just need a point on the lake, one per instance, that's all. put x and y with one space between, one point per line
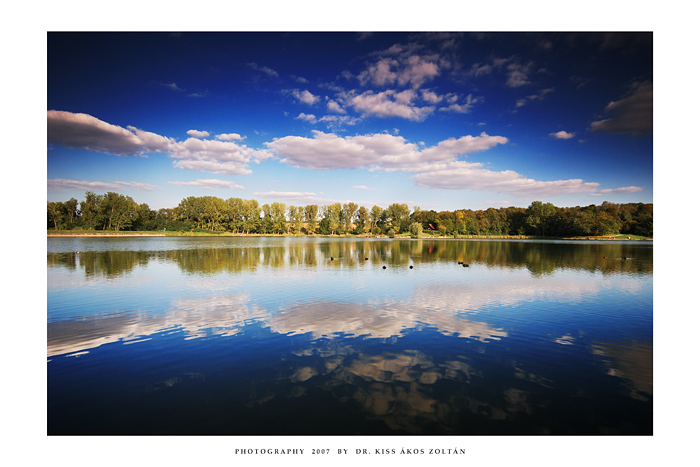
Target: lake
344 336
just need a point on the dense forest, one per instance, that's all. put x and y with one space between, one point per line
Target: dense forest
116 212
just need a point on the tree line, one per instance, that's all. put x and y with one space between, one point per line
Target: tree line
116 212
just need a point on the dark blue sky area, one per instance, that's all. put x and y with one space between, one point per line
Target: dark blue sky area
435 120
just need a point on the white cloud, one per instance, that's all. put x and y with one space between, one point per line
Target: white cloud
449 149
335 122
198 134
86 132
82 131
633 114
172 86
533 97
305 96
230 137
225 168
292 197
562 135
329 151
460 175
380 74
138 185
519 74
464 108
496 203
333 106
417 71
152 142
451 99
311 118
617 191
220 157
402 65
221 151
361 187
390 104
63 184
431 97
479 69
390 152
268 71
210 184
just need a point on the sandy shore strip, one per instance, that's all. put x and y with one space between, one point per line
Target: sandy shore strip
105 235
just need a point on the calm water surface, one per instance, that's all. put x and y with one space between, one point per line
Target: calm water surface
344 336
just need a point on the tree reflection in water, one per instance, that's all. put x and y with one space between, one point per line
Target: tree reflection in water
538 257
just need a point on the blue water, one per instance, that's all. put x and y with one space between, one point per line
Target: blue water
272 336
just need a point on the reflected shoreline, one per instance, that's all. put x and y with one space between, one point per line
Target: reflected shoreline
538 257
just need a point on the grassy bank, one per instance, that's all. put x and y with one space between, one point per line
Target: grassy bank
612 237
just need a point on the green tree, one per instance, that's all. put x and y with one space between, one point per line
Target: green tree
375 215
516 220
644 220
606 224
293 213
118 211
349 213
398 216
188 209
216 213
279 219
582 222
416 229
235 212
496 221
429 220
324 227
123 212
108 209
91 211
416 214
145 218
55 213
170 219
333 213
70 209
446 222
266 219
298 220
363 223
274 220
250 215
311 217
539 215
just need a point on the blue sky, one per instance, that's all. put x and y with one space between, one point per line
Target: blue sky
441 121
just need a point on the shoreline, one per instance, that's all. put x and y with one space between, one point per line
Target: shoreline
106 235
462 237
